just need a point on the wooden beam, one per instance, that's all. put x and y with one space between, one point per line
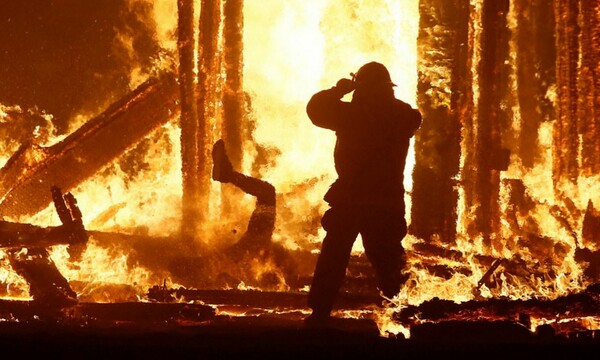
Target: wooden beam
28 176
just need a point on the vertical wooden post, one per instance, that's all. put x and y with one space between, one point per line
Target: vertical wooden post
493 119
589 87
535 72
482 183
443 28
566 139
209 89
233 96
189 121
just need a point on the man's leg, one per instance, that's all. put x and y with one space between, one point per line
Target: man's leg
333 260
223 172
382 233
262 221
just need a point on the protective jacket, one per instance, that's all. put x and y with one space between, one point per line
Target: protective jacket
371 147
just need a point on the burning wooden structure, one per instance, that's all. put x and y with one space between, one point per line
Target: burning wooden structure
503 203
491 89
32 171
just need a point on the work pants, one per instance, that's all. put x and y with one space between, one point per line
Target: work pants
382 229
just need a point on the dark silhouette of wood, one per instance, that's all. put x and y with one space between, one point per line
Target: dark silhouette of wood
590 232
253 298
481 179
234 127
565 150
572 306
589 87
26 249
443 27
590 261
535 72
189 122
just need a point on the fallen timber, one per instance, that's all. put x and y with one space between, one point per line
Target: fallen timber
26 250
105 314
15 236
247 299
28 175
570 307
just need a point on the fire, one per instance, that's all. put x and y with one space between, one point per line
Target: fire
532 216
104 275
310 46
304 54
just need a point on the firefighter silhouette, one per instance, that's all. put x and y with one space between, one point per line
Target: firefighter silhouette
373 133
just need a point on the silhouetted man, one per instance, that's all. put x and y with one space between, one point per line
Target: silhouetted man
373 133
256 243
229 265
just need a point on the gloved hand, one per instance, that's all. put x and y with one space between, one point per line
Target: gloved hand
344 86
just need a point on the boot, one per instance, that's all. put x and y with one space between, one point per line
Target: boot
222 168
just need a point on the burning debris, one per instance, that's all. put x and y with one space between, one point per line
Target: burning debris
27 251
503 205
32 170
477 200
533 314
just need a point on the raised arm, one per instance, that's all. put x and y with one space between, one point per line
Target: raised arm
325 109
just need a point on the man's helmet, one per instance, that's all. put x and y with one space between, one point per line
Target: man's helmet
373 73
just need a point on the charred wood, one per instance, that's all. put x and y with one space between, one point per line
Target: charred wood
522 271
189 121
535 72
584 303
425 249
29 258
140 313
103 314
32 171
17 236
472 331
443 27
589 86
254 298
443 262
591 259
233 95
443 271
209 94
47 286
590 232
485 260
486 277
468 114
565 148
491 121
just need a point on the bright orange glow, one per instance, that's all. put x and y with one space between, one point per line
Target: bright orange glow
292 49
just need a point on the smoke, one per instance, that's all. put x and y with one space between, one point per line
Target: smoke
73 57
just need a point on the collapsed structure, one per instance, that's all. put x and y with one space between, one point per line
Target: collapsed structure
493 75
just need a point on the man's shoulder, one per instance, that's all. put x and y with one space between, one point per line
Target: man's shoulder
408 118
402 106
